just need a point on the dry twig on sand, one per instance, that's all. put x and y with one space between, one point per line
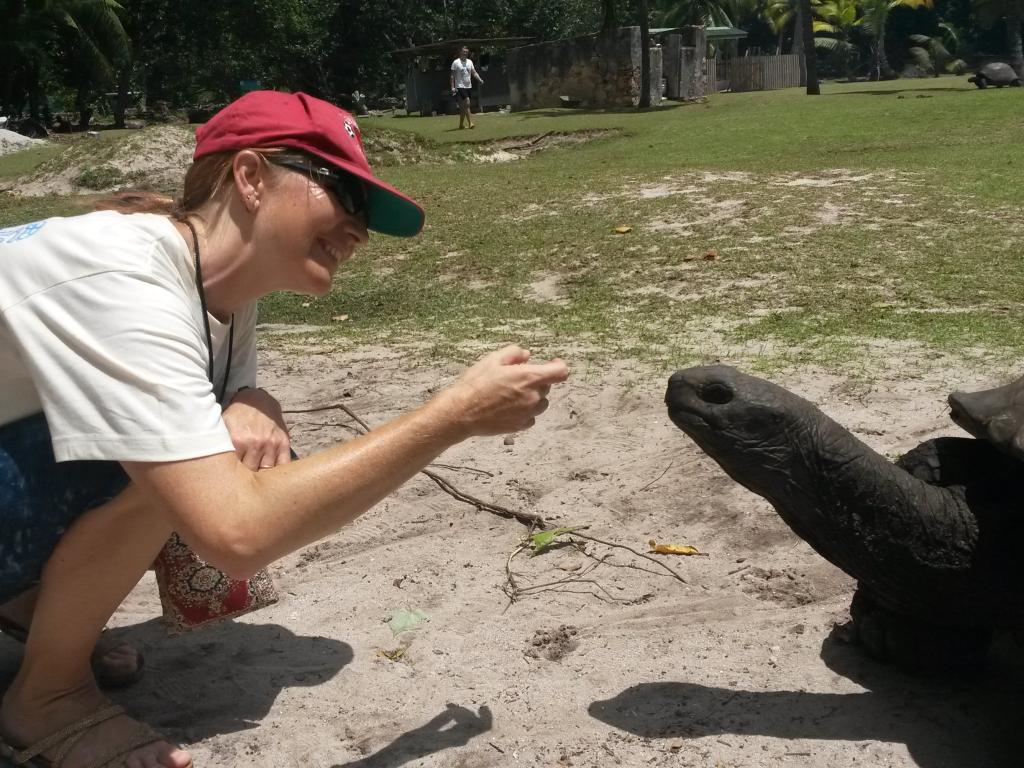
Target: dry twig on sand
512 588
530 520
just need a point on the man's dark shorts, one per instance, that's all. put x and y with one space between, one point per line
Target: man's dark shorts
464 93
40 499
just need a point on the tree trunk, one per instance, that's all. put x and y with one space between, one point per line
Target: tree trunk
124 80
645 55
798 43
84 110
1013 38
881 62
810 55
608 20
34 91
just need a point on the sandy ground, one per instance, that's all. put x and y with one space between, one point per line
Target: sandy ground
740 666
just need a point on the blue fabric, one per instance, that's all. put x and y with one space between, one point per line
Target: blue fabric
40 499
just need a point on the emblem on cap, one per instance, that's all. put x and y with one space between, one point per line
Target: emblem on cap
351 129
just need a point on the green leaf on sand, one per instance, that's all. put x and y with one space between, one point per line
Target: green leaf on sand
543 539
403 619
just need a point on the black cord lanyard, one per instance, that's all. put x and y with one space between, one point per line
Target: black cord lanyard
206 317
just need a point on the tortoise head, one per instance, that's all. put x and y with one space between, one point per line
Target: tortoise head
751 427
996 415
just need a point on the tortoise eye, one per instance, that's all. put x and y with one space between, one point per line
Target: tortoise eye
716 392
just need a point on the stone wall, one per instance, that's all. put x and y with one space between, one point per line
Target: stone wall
683 62
596 71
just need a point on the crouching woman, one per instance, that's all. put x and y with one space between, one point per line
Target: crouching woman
121 335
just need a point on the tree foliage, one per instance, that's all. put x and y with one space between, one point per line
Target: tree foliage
69 53
80 42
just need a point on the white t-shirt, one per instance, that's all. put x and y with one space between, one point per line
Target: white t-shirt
463 73
101 329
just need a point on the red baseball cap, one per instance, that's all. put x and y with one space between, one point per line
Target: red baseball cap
300 121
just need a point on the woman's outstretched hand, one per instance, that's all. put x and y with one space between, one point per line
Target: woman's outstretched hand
503 392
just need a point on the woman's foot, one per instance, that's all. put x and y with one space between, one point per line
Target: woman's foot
24 722
116 664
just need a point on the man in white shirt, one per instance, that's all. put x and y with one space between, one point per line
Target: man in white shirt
463 74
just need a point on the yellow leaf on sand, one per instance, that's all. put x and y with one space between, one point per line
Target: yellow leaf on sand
623 230
672 549
340 318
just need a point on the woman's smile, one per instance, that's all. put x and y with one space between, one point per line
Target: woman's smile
334 254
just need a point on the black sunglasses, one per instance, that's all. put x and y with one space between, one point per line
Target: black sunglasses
346 188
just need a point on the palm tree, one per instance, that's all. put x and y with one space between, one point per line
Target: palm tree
712 13
788 15
86 36
781 15
810 54
839 20
990 11
876 14
934 53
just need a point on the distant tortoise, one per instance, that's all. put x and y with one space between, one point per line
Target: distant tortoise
997 73
934 540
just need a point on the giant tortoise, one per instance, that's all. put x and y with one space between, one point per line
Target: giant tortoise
997 73
934 539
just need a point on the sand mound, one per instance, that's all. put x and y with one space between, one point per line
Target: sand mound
151 158
11 141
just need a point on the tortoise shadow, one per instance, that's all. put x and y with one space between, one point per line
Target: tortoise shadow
943 723
453 727
871 92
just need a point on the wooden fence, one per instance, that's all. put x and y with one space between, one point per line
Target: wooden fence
753 73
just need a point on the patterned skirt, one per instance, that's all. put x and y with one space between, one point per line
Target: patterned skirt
40 499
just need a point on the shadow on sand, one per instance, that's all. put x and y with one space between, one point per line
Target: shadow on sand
172 696
454 727
181 671
944 723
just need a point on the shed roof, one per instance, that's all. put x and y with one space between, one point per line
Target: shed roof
447 46
713 33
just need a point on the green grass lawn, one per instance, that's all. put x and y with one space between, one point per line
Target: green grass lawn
766 228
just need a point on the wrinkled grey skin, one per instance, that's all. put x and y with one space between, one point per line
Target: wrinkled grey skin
996 415
997 73
932 540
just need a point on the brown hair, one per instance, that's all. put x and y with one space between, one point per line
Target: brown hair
204 180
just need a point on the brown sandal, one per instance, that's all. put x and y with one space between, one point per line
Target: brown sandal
104 677
66 738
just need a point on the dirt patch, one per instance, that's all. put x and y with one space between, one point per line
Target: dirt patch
717 206
506 150
729 213
548 288
553 644
833 178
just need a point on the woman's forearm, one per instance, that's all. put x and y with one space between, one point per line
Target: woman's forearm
240 521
